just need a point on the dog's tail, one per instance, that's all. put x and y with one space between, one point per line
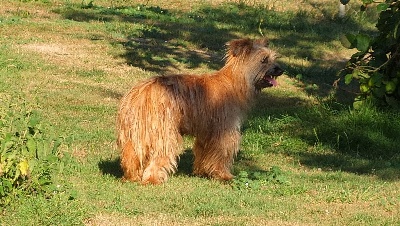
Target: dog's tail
148 130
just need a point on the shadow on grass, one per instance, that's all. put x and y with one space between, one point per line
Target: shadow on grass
161 40
385 169
329 136
363 142
185 165
111 167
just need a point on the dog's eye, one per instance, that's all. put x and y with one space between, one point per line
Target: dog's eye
264 60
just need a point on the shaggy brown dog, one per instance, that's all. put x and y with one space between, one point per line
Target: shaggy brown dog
155 114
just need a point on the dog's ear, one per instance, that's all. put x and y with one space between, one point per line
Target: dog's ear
263 42
238 47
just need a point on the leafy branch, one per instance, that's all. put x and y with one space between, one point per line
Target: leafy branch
376 65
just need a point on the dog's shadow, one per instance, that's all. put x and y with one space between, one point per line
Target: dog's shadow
185 164
112 167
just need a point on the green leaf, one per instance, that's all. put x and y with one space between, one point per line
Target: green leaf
7 145
379 92
375 80
40 147
32 164
257 175
363 42
56 145
366 2
44 181
390 87
358 104
7 184
345 42
348 40
382 7
364 88
243 174
51 158
24 167
73 194
357 74
348 78
2 193
17 174
31 145
34 119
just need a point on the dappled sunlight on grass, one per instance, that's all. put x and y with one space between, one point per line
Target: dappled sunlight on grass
326 135
306 156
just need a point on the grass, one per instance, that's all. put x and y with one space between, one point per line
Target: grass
306 156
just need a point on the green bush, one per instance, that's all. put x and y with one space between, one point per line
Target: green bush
28 151
376 65
257 180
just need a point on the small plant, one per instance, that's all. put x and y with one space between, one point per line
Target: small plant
376 65
258 179
28 155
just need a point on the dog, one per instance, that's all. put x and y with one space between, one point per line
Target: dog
155 114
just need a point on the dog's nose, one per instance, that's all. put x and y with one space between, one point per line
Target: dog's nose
278 71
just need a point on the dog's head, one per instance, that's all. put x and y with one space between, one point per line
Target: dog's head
255 60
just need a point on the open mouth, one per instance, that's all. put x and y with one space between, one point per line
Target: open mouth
266 81
269 79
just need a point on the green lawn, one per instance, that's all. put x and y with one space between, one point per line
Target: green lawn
307 158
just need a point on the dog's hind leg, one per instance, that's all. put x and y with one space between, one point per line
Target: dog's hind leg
130 163
214 156
158 170
163 157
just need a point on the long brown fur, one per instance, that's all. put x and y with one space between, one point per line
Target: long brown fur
155 114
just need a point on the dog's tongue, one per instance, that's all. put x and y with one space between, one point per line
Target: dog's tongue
272 81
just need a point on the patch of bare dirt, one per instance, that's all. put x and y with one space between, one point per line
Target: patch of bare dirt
167 220
25 10
79 54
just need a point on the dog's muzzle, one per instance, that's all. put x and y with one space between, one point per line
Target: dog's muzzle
269 78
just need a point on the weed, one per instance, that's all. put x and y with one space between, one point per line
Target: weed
28 154
257 180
